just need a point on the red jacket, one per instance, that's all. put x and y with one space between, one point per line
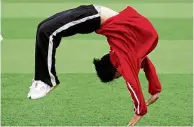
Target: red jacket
131 38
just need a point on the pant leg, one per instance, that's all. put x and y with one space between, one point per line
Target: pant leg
41 58
49 35
154 85
41 70
46 45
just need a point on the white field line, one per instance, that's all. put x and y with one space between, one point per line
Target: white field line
151 10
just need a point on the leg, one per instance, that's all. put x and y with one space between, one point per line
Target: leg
83 19
47 41
154 85
45 77
46 44
49 34
42 55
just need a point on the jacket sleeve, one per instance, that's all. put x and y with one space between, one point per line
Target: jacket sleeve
129 72
154 85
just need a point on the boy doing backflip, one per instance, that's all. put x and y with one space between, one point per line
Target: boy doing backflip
131 38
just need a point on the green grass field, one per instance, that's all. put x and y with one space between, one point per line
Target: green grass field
81 99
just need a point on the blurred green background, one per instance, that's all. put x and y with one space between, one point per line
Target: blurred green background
81 99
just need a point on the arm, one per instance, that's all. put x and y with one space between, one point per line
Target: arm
153 81
151 75
130 73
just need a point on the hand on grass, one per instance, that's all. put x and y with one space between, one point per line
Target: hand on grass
136 117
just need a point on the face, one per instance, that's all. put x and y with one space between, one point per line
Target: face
117 75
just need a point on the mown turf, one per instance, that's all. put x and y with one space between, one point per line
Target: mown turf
75 56
82 100
166 28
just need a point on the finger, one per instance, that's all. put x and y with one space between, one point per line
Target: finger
131 124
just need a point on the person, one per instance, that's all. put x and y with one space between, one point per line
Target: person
130 35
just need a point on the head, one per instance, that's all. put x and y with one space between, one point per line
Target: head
105 69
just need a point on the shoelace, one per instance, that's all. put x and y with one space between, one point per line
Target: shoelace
37 85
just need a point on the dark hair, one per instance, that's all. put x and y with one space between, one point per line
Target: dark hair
104 68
